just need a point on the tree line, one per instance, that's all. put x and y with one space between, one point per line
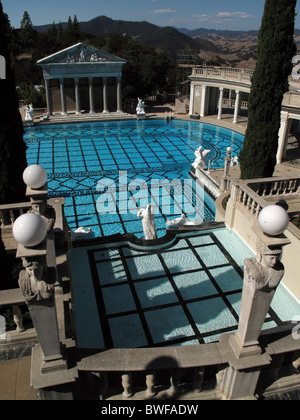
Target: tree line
148 70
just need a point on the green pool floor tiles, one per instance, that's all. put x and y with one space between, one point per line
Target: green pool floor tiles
143 267
211 256
211 315
155 292
127 332
227 278
111 272
178 261
118 299
194 285
168 324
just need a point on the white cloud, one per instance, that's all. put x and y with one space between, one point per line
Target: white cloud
239 15
160 11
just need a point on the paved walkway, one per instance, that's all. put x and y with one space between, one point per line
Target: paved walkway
15 373
15 380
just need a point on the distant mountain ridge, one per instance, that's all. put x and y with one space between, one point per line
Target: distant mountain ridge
237 48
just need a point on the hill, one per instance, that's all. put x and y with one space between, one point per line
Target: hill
168 39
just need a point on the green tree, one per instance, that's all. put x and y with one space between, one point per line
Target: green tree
12 146
276 49
28 36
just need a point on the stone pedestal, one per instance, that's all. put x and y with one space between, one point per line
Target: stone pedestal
37 283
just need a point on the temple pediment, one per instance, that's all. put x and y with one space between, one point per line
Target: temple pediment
80 53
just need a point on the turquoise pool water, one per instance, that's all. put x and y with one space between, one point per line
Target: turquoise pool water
186 293
83 161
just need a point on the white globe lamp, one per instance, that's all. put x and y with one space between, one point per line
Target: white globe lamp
30 230
35 176
273 220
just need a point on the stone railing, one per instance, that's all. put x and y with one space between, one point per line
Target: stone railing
10 212
189 372
224 73
254 195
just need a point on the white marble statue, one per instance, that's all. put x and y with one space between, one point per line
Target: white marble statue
29 113
80 233
176 223
149 228
200 158
235 161
140 109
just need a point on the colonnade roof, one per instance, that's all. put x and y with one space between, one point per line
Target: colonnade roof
80 53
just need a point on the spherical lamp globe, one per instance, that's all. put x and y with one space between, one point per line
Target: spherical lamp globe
273 220
35 176
30 230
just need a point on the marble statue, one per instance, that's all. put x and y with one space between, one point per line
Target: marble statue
29 113
80 233
140 109
266 271
175 223
234 161
149 228
200 158
36 281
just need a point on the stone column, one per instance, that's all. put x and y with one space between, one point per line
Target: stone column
261 279
91 96
220 103
63 97
203 101
37 283
77 96
48 97
105 102
283 136
119 95
192 92
237 106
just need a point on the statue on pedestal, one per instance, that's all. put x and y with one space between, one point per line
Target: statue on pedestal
266 271
200 158
140 109
29 113
36 281
47 213
148 222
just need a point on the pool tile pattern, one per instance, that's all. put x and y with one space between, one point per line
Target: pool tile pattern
188 293
78 157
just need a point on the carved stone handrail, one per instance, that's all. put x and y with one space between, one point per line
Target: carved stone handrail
11 212
224 73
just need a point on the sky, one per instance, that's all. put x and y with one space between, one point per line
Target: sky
190 14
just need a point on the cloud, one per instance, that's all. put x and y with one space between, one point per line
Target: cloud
239 15
160 11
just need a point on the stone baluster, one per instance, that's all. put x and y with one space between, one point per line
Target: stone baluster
150 382
18 319
174 379
126 384
198 380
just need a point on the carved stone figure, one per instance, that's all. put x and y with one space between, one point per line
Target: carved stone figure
148 222
266 271
42 209
36 281
200 158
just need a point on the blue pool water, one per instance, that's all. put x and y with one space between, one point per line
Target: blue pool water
186 293
105 170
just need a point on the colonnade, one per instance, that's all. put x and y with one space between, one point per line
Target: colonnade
77 94
206 97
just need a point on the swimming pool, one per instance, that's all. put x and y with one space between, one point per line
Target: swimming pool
106 170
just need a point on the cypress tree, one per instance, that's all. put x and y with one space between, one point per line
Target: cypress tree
12 146
276 49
